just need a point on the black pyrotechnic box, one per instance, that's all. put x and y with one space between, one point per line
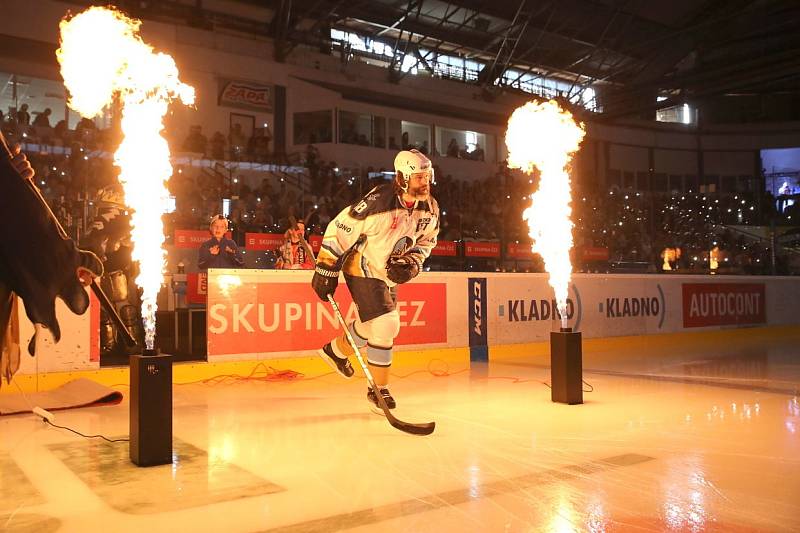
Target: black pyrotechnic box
566 366
151 409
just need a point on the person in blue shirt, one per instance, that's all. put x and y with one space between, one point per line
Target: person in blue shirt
219 251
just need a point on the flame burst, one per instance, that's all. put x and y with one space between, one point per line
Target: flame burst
103 57
543 136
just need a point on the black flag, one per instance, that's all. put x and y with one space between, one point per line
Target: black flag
37 261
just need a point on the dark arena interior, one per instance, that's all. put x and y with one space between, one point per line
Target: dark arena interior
553 246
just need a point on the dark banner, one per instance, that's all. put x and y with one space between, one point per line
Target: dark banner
477 299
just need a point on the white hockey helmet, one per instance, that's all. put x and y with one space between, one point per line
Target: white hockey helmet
408 162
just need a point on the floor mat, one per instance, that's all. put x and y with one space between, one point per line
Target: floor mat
78 393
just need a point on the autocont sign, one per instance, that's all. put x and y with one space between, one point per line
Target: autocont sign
720 304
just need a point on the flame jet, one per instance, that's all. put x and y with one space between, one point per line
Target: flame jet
102 57
545 137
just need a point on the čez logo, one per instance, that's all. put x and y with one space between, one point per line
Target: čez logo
478 324
477 299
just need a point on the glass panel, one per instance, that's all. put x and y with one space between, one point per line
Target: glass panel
642 181
379 132
628 180
415 136
313 127
395 133
355 128
463 144
614 178
660 182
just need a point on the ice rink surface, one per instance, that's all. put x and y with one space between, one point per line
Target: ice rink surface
680 433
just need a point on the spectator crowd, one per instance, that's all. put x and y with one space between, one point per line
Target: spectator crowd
635 227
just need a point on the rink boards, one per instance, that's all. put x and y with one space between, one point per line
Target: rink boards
268 314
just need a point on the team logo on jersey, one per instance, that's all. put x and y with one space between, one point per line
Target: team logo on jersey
343 227
423 223
402 246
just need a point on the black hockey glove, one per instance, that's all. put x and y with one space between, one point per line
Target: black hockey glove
324 282
401 269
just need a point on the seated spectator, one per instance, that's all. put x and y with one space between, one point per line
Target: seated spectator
295 253
219 251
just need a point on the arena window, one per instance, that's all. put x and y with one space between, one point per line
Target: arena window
464 144
362 129
682 114
312 127
406 135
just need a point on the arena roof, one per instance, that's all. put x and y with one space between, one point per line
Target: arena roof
631 53
678 48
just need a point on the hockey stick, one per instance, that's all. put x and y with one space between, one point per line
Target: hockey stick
104 301
415 429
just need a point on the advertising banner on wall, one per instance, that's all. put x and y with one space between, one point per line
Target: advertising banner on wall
192 238
723 304
251 312
268 313
522 308
245 95
518 250
445 248
196 287
629 305
482 249
477 323
263 241
594 253
316 243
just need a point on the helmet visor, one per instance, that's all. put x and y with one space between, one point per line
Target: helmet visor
427 175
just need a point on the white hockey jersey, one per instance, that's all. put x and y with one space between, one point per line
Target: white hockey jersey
376 228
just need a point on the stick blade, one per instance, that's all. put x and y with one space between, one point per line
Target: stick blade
407 427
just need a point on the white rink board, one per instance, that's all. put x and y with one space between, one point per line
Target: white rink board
601 306
72 353
627 304
507 298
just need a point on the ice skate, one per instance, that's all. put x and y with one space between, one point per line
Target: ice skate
340 365
373 400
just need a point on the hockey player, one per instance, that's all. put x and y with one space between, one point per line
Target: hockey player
378 243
